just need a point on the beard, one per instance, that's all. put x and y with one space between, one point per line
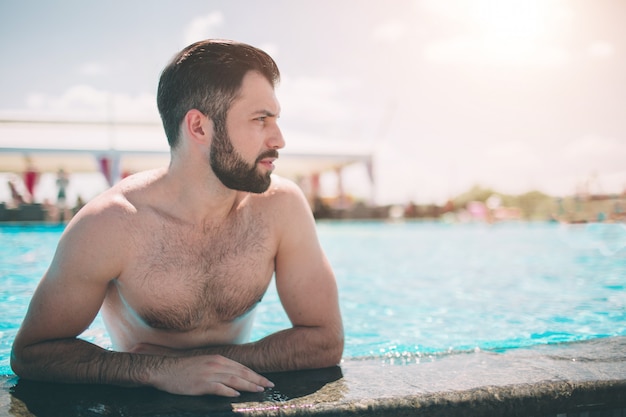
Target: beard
232 170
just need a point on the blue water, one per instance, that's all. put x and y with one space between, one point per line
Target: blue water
409 290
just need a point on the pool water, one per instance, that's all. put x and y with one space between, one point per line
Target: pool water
410 290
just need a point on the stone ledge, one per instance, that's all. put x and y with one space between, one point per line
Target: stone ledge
565 380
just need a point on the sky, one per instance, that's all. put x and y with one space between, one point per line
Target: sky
515 95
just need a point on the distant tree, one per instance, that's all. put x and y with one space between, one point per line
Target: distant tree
534 204
476 193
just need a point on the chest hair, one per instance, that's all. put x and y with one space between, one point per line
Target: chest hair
199 277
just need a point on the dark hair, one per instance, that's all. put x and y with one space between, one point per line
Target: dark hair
207 76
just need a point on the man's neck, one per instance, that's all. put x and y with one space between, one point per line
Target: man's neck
199 196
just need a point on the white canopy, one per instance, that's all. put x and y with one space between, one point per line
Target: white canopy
80 147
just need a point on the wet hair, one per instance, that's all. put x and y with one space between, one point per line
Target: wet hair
207 76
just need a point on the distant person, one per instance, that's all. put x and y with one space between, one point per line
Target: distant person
177 258
17 198
62 184
31 178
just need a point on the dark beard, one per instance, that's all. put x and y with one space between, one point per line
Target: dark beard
232 170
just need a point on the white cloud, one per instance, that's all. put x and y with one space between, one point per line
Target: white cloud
80 96
202 27
79 102
84 102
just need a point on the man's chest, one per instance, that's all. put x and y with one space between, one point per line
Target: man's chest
188 281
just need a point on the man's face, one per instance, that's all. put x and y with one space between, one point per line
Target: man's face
244 148
234 172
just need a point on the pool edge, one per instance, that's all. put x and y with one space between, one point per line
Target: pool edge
565 380
546 399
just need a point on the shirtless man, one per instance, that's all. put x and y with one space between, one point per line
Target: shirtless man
177 258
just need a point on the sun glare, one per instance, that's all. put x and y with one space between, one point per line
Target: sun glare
517 19
509 32
509 18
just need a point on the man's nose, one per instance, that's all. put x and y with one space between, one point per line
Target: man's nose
276 140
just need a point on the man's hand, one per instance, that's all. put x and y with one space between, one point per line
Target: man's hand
207 374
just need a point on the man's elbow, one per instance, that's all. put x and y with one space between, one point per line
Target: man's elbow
17 363
335 354
333 351
24 360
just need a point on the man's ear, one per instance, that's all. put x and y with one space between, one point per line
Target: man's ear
199 128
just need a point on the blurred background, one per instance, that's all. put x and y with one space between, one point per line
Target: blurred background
471 109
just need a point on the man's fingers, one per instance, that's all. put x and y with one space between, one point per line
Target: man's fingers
222 390
257 379
212 374
240 384
244 372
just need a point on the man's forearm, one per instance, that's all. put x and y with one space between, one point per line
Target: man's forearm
296 348
78 361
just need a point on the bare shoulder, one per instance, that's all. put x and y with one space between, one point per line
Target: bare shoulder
110 209
106 224
284 191
284 205
123 200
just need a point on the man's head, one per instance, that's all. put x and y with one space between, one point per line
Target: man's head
230 167
207 76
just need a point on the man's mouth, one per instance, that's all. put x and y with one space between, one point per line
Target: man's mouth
268 163
267 159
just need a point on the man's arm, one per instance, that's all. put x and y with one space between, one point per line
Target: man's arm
91 254
308 291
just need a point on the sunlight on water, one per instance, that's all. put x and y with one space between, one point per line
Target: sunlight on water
412 290
409 290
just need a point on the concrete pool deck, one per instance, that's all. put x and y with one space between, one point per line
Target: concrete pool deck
575 379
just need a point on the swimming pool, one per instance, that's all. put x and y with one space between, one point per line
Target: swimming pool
409 290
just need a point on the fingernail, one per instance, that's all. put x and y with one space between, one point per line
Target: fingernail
260 388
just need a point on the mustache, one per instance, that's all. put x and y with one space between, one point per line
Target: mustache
270 153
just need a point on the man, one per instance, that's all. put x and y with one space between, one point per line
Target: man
178 258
